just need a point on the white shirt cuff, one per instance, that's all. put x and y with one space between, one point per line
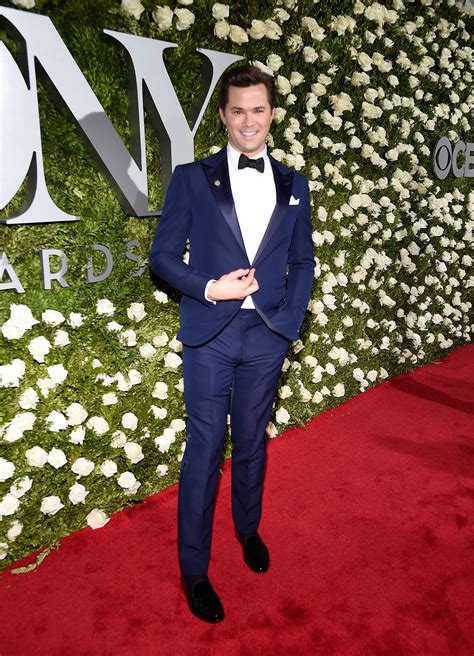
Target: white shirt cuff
205 292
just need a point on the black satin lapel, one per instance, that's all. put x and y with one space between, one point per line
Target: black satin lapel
219 182
283 186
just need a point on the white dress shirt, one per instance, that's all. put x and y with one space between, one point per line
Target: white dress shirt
254 196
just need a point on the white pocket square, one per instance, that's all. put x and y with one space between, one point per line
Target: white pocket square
294 201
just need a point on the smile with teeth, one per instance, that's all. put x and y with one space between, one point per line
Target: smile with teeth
249 133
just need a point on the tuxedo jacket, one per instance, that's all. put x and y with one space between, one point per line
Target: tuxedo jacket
199 207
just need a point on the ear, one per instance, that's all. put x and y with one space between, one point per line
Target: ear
273 114
222 115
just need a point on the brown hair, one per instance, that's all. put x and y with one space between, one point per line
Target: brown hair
245 76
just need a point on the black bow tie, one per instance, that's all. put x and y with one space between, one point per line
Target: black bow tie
257 164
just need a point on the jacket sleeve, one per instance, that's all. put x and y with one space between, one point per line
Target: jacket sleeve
301 261
174 227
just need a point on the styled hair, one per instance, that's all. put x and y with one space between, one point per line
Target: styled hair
245 76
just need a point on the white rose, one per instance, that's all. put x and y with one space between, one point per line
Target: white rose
77 493
158 413
162 470
178 425
163 17
14 531
7 469
134 376
358 374
338 390
76 414
21 319
82 466
52 317
57 373
36 456
271 429
309 54
128 338
24 4
164 441
127 480
133 8
221 29
358 79
105 307
133 452
51 505
172 360
282 416
21 486
39 347
130 421
296 79
136 311
285 392
98 424
9 505
283 85
161 340
185 18
75 319
238 35
108 468
61 338
341 103
11 374
97 518
109 399
161 297
147 351
274 62
22 422
160 391
45 385
114 327
56 421
119 439
371 111
77 435
220 11
258 29
273 30
57 458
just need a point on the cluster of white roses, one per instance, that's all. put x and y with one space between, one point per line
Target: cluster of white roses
35 382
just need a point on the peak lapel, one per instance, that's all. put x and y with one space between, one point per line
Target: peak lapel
219 182
283 187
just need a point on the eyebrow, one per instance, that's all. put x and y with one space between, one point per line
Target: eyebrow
241 108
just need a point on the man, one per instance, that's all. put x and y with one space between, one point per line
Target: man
245 292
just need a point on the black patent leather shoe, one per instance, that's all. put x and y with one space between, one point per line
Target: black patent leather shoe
255 552
202 599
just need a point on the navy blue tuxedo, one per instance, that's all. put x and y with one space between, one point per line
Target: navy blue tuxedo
232 358
199 207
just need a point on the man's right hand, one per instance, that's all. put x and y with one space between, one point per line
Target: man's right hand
233 286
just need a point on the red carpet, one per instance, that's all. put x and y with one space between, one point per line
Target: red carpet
369 519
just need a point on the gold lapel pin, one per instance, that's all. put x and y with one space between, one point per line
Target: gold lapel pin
217 183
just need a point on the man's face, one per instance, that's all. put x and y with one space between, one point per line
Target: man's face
247 117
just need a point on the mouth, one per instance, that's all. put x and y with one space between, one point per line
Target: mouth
248 133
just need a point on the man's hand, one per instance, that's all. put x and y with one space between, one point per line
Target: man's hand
232 286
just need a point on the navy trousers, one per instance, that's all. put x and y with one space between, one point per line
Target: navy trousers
236 372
